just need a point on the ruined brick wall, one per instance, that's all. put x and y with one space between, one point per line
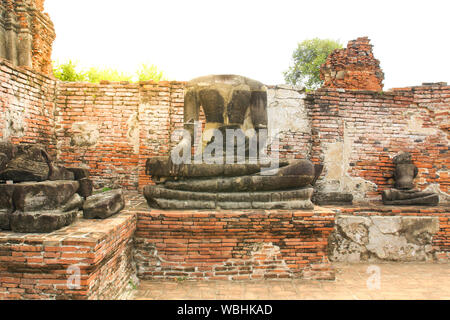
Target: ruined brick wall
233 245
113 128
45 266
357 133
97 128
440 241
26 34
354 67
288 121
160 114
27 103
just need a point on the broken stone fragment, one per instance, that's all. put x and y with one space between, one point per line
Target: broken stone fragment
41 221
30 164
47 195
103 205
336 198
60 173
86 187
76 202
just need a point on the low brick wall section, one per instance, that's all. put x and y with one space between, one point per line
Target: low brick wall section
34 266
233 245
441 240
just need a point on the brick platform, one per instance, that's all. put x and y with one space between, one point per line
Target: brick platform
38 266
233 245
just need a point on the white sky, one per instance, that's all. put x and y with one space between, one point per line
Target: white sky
253 38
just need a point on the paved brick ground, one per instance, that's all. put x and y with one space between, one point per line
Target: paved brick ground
397 281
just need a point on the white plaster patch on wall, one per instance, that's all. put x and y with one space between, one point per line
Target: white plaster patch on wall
14 118
375 238
337 164
84 134
415 125
133 131
286 110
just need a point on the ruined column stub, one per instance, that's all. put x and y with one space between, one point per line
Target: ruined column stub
354 67
26 34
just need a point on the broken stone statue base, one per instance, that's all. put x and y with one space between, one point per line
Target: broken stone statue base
163 198
409 197
38 221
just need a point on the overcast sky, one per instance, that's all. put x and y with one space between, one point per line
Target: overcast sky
190 38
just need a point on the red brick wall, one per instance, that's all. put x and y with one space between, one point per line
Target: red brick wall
379 125
93 124
233 245
37 266
160 113
354 67
27 102
133 122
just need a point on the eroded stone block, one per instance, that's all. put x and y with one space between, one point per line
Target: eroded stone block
41 221
103 205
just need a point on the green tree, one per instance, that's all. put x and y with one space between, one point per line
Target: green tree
68 71
149 72
307 59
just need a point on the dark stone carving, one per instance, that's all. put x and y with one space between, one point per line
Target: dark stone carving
7 152
47 195
404 192
3 161
332 198
40 196
60 173
5 215
79 173
32 163
103 205
74 203
229 102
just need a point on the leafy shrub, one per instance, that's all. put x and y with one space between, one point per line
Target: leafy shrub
68 71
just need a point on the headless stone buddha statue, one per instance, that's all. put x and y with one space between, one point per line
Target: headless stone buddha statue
230 103
404 192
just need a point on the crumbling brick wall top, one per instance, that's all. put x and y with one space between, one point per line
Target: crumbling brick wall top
353 68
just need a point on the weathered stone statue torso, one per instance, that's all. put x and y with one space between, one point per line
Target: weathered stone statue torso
404 192
228 102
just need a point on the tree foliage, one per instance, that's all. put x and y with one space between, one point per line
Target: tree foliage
149 72
307 59
69 71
